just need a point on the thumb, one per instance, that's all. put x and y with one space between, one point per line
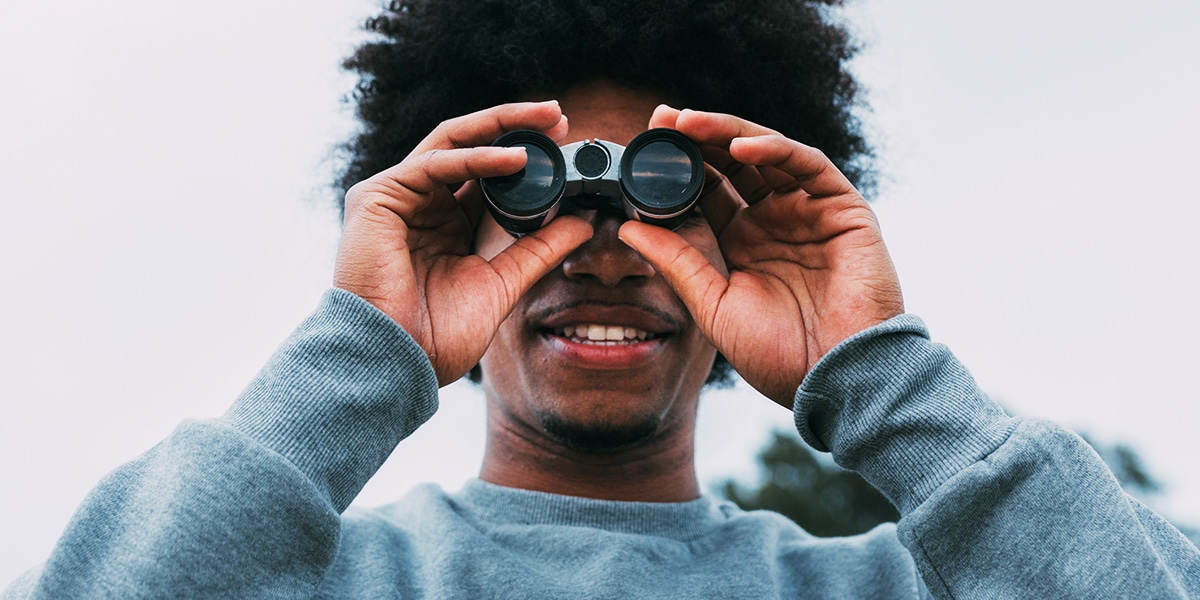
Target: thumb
531 257
699 284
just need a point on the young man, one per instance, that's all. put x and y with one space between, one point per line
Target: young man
588 487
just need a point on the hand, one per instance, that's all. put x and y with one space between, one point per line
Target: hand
406 239
807 264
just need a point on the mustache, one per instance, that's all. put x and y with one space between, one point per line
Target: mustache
545 313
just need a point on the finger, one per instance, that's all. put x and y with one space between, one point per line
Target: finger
559 131
528 259
483 127
717 129
752 183
808 220
664 116
746 181
470 198
778 180
698 283
719 201
811 169
433 170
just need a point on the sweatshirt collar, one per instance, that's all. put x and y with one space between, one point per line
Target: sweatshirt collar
499 506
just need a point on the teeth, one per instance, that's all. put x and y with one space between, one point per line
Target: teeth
603 333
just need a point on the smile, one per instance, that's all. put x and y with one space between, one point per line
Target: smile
603 334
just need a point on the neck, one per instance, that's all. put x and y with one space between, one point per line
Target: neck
659 469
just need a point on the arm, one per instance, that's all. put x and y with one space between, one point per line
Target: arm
248 505
990 505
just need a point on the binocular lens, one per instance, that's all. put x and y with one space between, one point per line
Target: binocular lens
524 191
534 189
661 174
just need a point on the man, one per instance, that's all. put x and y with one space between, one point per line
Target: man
588 487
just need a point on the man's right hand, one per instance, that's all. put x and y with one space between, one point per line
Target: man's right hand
406 239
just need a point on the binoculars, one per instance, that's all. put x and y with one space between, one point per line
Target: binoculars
656 179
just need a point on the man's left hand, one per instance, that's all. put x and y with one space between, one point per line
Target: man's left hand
807 264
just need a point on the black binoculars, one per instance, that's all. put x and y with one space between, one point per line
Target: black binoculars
656 179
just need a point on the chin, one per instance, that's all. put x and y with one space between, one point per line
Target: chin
598 437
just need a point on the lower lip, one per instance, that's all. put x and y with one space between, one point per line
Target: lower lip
605 356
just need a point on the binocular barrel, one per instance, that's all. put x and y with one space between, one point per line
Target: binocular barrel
656 179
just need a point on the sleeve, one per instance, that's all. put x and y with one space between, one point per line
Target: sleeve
248 505
991 505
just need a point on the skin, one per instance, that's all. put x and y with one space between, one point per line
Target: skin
783 236
648 407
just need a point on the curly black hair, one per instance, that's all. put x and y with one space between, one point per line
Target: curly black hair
779 63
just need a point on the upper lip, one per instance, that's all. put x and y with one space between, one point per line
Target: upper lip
650 319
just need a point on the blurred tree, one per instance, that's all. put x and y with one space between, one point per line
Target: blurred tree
808 488
827 500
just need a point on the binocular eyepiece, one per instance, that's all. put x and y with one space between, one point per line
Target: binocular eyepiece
655 179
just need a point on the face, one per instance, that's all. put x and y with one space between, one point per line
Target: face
601 354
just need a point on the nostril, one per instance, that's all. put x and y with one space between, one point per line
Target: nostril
606 258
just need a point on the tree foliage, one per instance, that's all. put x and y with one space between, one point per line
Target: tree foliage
825 499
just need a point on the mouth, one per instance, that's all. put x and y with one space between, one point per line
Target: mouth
604 335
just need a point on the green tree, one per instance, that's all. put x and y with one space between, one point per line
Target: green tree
808 488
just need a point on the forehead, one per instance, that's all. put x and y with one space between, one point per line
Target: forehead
607 111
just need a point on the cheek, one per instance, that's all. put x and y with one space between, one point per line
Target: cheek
498 366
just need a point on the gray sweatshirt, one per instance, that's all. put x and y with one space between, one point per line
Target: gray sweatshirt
251 505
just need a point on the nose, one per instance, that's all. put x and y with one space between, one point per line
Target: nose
604 257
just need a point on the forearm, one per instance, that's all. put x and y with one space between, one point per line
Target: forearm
248 505
343 390
988 503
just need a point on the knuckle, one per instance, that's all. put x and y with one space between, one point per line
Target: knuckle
356 195
428 161
355 192
447 125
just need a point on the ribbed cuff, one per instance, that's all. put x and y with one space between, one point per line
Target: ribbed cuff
898 409
339 394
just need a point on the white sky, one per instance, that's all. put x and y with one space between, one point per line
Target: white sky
165 226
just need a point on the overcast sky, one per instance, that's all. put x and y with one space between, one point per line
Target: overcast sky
165 225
